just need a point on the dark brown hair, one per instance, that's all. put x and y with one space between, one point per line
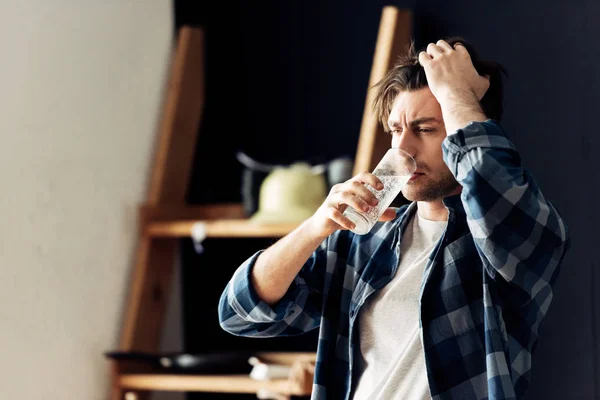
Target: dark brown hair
408 75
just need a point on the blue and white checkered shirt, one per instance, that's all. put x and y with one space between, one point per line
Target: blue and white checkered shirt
486 288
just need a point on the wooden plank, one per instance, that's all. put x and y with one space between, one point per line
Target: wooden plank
207 383
173 159
146 304
236 228
151 277
116 391
286 358
180 121
149 213
148 296
393 38
142 378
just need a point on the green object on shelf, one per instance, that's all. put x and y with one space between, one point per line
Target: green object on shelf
290 194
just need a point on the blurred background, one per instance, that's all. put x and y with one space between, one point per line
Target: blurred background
82 88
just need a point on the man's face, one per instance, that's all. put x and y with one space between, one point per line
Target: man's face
417 127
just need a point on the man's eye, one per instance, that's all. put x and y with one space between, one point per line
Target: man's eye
426 130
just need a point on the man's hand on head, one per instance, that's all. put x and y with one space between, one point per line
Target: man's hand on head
455 83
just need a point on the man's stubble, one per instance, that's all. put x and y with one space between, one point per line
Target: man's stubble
427 188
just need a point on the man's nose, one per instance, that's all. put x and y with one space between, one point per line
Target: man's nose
406 141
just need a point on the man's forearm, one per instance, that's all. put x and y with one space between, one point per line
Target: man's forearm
459 107
276 267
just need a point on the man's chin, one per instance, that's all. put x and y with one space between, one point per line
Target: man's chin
410 196
412 192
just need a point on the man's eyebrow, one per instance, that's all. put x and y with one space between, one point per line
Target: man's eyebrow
415 122
393 124
424 120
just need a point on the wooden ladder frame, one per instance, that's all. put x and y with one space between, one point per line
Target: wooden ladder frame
155 258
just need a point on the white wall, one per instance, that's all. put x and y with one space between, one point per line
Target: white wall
81 85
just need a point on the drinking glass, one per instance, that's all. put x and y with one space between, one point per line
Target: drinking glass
394 170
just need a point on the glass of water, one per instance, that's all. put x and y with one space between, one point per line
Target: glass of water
394 170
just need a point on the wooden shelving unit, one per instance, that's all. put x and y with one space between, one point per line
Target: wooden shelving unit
218 229
219 220
219 383
207 383
165 217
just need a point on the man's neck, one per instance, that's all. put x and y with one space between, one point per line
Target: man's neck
432 210
435 210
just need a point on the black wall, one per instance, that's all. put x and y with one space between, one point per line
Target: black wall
286 81
551 50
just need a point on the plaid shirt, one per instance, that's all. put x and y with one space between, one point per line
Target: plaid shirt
486 288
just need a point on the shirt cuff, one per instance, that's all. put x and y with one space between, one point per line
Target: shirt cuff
487 134
246 302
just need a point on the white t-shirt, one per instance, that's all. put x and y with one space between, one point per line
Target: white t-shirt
391 361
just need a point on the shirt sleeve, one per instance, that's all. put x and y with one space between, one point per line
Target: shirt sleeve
519 234
243 313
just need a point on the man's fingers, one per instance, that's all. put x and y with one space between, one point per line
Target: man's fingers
433 50
351 200
443 46
424 58
339 218
369 178
361 190
460 48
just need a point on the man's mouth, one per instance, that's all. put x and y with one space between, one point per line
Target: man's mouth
416 175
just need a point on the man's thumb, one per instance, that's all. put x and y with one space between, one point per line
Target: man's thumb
388 215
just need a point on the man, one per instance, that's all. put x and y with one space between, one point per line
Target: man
445 298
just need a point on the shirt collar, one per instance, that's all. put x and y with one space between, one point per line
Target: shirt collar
456 212
454 203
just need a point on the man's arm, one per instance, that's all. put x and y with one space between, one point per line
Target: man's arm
459 108
455 83
276 268
519 234
278 292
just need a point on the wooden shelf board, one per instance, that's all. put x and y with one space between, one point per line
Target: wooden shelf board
286 357
219 383
166 212
203 383
218 228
